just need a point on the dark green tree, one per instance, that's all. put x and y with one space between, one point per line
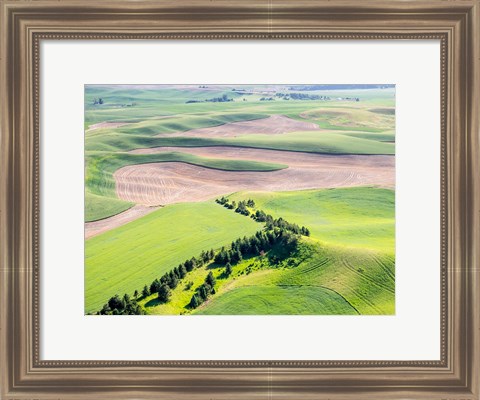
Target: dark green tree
164 293
173 282
210 279
203 292
228 269
182 270
154 286
126 298
115 303
194 303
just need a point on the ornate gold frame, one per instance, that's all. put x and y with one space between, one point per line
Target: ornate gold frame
456 23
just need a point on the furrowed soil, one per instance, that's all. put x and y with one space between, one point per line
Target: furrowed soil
97 227
166 183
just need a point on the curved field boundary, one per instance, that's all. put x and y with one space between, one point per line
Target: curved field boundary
97 227
317 142
272 125
100 168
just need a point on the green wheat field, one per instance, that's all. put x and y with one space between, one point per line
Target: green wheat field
240 199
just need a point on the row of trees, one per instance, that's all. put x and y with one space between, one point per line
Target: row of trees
163 287
223 200
272 223
240 208
203 291
223 99
170 280
255 245
260 216
302 96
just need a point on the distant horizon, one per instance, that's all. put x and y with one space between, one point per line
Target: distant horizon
287 86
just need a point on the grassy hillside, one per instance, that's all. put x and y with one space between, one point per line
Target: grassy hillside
99 207
353 118
335 281
125 259
178 123
337 269
359 217
278 300
311 142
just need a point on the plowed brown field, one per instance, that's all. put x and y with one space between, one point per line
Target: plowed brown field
101 125
103 225
166 183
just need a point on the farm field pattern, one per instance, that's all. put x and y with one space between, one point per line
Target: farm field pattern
240 200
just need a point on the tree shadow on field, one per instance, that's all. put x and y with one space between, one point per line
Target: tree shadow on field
214 265
154 302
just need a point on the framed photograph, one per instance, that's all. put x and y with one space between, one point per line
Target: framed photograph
258 200
233 186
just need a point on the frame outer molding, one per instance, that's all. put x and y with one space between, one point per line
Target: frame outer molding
23 376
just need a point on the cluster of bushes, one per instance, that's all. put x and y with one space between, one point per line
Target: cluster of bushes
301 96
224 202
97 101
255 245
272 223
203 291
121 306
240 208
267 99
222 99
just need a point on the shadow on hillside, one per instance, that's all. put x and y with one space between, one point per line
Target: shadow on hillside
152 303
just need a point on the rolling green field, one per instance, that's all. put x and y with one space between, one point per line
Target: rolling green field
125 259
358 217
295 300
329 142
344 265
